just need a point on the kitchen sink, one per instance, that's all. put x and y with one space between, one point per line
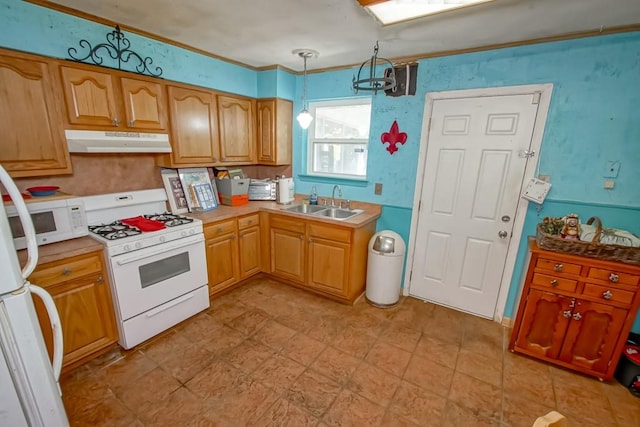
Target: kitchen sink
306 209
338 213
324 211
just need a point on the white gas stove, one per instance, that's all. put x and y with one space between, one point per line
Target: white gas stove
157 262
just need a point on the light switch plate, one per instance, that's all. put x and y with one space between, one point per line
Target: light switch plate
378 189
536 190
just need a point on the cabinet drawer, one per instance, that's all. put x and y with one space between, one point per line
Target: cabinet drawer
329 232
287 224
248 221
613 276
219 228
558 266
613 294
552 282
55 273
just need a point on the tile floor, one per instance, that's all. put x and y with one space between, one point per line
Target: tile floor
267 354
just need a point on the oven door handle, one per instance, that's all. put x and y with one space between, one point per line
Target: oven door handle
159 249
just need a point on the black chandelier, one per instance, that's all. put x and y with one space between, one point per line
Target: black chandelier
118 48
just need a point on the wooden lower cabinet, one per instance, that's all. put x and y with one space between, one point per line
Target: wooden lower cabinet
222 254
249 247
576 312
79 286
324 258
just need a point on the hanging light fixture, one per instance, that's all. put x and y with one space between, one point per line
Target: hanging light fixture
373 83
305 118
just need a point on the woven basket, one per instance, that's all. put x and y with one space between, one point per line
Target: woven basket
593 249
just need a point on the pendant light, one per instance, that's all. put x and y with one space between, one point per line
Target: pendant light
305 118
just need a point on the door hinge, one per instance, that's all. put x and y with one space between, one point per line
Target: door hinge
410 275
429 125
536 98
419 206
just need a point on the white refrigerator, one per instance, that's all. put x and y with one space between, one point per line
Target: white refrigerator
29 390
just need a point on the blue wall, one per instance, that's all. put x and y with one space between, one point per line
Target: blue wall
592 117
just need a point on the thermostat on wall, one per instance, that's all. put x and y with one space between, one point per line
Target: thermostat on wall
536 190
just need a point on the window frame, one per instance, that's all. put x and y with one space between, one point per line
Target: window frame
312 106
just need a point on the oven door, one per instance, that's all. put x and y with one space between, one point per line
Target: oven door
149 277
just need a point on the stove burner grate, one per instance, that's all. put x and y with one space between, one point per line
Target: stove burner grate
169 219
113 231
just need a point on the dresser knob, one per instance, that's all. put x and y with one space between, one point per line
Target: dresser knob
100 279
607 294
553 283
613 277
566 313
66 271
558 267
577 316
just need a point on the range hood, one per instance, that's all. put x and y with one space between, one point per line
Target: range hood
89 141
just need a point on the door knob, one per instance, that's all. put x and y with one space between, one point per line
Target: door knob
502 234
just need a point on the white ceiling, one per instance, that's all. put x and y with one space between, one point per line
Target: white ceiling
264 32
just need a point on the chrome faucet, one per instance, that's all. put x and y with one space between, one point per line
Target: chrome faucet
333 194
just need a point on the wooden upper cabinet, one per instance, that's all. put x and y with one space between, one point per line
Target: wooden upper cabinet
90 97
144 104
112 100
33 141
194 128
237 135
274 127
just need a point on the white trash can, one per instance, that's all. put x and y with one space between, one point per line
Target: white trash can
384 269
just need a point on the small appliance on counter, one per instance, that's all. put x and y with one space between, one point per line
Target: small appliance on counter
262 189
233 192
286 192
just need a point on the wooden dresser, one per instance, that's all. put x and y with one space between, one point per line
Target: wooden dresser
575 311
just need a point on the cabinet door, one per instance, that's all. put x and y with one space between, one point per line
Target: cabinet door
90 97
328 268
266 115
274 138
544 323
194 131
237 136
86 315
222 255
144 104
249 250
33 141
593 333
288 254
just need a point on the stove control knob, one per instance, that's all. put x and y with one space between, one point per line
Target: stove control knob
138 245
183 234
162 238
192 231
127 248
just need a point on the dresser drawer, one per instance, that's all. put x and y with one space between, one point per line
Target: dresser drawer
219 228
558 266
552 282
608 293
613 276
59 272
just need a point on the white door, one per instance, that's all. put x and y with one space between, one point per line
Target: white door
473 175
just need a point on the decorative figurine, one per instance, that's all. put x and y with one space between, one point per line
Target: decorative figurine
571 229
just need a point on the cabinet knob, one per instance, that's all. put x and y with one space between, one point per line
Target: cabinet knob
566 314
301 237
215 160
577 316
132 123
553 283
607 294
224 159
116 122
614 277
558 267
100 279
66 271
233 236
310 241
219 230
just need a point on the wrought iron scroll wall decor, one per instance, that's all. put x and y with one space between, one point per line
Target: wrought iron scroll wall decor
118 48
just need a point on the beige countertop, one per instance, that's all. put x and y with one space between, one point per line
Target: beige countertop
61 250
83 245
371 212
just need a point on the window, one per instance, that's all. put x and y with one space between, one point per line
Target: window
338 138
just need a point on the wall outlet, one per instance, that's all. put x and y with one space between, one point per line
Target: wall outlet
545 178
611 169
378 189
609 184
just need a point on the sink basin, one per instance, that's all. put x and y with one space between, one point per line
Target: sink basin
306 209
338 213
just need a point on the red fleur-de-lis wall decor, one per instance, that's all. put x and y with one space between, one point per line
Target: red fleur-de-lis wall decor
393 137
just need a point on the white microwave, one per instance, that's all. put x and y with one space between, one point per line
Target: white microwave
54 220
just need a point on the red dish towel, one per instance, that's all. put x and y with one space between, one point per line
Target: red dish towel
144 224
